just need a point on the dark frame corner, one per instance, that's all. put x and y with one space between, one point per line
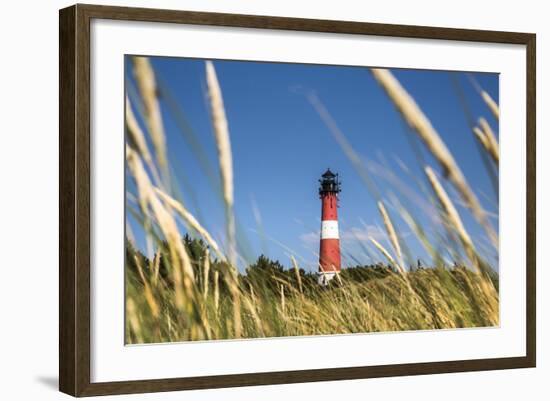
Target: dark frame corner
74 199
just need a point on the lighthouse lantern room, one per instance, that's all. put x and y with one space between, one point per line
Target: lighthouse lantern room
329 252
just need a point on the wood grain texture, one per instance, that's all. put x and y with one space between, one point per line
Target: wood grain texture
67 131
531 229
74 199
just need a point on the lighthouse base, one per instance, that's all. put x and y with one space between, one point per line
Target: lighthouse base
323 278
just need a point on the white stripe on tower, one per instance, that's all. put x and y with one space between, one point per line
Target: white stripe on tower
329 229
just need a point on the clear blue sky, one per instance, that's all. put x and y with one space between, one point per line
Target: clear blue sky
281 147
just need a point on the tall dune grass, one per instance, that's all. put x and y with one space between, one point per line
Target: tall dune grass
182 293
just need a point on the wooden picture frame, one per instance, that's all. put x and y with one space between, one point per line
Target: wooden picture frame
75 207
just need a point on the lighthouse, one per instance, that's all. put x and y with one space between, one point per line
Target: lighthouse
329 252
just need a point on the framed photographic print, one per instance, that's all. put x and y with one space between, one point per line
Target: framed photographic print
250 200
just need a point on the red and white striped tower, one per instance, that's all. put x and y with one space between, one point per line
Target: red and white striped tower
329 252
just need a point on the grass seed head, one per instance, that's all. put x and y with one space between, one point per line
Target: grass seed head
146 82
225 158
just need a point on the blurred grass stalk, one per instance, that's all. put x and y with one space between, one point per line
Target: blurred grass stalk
418 121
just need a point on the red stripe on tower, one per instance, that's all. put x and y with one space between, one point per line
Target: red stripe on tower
329 252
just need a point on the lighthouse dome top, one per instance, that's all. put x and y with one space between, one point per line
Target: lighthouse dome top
329 183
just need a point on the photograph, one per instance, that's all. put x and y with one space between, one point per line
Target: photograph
271 199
